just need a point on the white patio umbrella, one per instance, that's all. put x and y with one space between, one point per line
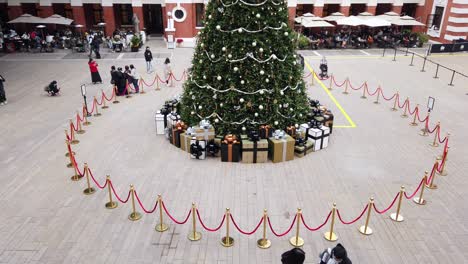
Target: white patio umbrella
317 23
390 16
26 19
366 15
407 21
334 16
351 21
58 20
377 22
304 17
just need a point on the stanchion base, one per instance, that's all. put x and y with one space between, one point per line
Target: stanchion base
68 154
98 114
87 123
161 227
364 97
76 177
330 89
331 238
263 243
413 124
89 191
432 187
104 107
194 236
376 102
115 102
393 109
394 217
74 142
69 165
227 241
443 173
128 96
134 216
434 145
424 134
419 201
367 232
81 131
345 93
142 92
404 116
111 205
299 242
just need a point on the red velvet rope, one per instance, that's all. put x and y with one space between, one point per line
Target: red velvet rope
244 232
441 141
388 208
95 181
172 218
352 87
112 95
421 120
79 118
181 77
339 85
286 232
210 229
372 94
67 136
415 191
354 220
389 98
102 101
161 80
72 127
149 85
412 112
437 127
143 208
76 166
318 227
307 76
404 105
115 194
92 109
434 168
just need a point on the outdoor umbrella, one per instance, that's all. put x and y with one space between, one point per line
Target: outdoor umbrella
317 23
351 21
390 16
305 17
407 21
27 19
377 22
57 19
365 15
334 16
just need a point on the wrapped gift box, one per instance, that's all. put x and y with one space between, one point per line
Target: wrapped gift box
161 123
281 146
254 151
230 149
212 149
291 130
304 130
303 148
172 119
218 139
174 135
265 131
185 139
197 149
319 136
328 120
206 134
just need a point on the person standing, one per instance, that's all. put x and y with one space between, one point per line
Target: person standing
336 255
148 59
168 72
120 81
96 45
135 77
128 77
93 68
3 100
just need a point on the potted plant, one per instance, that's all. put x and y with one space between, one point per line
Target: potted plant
423 38
179 42
135 43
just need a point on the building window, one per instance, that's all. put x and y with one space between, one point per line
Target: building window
439 12
200 14
97 13
179 14
126 13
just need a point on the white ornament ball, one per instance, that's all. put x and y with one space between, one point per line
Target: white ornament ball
223 49
295 56
193 97
257 15
286 34
236 69
212 56
261 50
280 106
216 120
276 123
290 109
199 33
201 61
262 92
218 78
260 107
256 114
200 107
204 77
262 72
254 44
241 100
229 56
274 56
282 93
267 80
300 115
294 62
296 125
218 27
239 30
221 104
202 45
192 113
242 82
243 128
209 17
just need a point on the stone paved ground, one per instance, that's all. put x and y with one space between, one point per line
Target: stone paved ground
46 219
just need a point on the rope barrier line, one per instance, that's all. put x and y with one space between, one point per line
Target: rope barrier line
72 127
414 111
118 197
388 98
207 228
76 166
354 220
415 191
437 127
244 232
320 226
434 168
286 232
339 85
95 181
112 95
422 120
92 109
352 87
389 207
372 94
172 218
143 207
404 105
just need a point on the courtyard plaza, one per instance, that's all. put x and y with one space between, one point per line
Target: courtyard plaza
46 218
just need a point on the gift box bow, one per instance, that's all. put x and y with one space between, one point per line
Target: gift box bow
230 139
205 124
165 111
254 136
180 125
278 134
190 131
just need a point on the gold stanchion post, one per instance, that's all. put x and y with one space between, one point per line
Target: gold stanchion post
68 148
115 98
70 155
142 87
104 106
364 91
397 217
76 176
415 116
432 185
441 159
424 131
397 95
378 96
157 83
134 215
89 190
78 124
330 236
227 241
97 107
297 241
128 90
365 229
405 115
161 227
346 86
85 116
111 204
434 142
263 242
419 200
73 140
331 81
194 235
312 78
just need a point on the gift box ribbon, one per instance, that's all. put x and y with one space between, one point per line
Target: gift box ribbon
255 150
321 136
230 140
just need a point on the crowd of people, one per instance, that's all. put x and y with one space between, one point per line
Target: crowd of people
336 255
361 39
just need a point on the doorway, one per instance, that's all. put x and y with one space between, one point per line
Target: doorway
153 19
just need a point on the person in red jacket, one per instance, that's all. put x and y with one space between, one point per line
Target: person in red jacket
93 67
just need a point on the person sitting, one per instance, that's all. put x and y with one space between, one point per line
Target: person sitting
52 89
336 255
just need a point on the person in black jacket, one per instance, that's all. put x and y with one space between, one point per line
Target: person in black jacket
3 100
148 59
120 81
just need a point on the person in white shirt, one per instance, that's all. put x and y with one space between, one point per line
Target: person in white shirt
168 73
135 78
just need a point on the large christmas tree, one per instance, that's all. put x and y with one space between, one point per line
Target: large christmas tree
245 71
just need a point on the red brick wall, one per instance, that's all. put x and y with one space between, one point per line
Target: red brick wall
109 19
397 9
318 11
184 29
291 15
14 12
138 10
344 10
79 16
45 11
371 9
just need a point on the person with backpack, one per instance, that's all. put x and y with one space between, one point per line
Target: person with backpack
293 256
148 59
334 256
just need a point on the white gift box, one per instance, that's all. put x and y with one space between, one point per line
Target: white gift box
172 119
159 119
202 143
319 136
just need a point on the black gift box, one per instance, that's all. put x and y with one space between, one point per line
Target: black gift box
174 136
265 131
234 148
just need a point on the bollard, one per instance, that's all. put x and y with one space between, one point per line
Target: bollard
415 116
412 58
194 235
80 130
89 190
104 106
264 243
397 217
331 82
111 204
432 185
437 71
346 86
419 200
97 108
86 122
70 155
405 115
394 55
365 229
161 227
297 241
378 95
134 215
434 142
397 96
364 91
115 98
451 80
330 236
424 64
227 241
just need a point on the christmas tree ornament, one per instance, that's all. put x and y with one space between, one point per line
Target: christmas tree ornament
201 45
200 61
275 101
286 33
236 69
261 50
274 56
254 44
239 30
229 56
262 72
257 15
200 107
209 17
256 114
192 113
204 77
193 97
282 93
276 123
241 100
242 82
218 27
267 80
218 78
212 56
243 128
221 104
216 120
280 106
223 49
260 107
296 125
300 115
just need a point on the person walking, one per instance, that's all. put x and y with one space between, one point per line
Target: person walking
334 256
93 68
135 77
148 59
168 72
3 100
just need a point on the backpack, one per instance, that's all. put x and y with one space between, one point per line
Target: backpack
325 256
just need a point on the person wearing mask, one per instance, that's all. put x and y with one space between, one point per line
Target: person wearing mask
93 68
148 59
135 77
3 100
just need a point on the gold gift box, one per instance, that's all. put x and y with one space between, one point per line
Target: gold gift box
281 149
250 155
301 151
204 134
185 141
